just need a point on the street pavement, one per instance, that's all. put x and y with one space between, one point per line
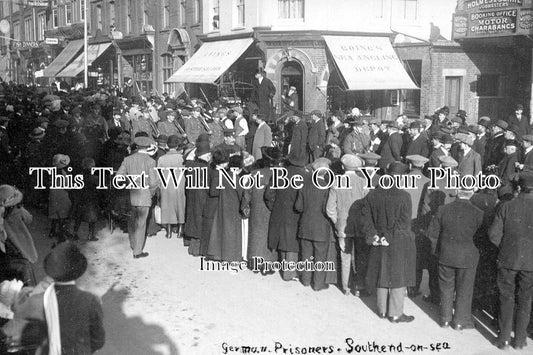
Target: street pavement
164 304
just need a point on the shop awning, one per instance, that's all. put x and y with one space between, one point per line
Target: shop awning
210 61
76 67
66 55
368 63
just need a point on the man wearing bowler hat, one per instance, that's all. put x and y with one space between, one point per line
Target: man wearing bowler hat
140 198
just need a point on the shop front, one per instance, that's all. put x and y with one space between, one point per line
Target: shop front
138 65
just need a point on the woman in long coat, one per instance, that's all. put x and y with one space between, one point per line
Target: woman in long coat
172 197
254 200
225 241
387 227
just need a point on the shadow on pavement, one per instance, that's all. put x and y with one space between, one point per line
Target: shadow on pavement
131 335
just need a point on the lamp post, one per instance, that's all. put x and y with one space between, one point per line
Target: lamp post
85 46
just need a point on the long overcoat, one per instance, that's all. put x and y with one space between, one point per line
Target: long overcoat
196 201
172 197
387 213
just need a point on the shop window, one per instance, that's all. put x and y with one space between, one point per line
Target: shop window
214 15
239 13
168 70
411 98
291 9
488 85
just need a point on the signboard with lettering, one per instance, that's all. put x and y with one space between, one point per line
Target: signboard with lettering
493 18
51 40
25 44
38 3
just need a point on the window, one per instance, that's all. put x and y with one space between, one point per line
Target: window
55 16
291 9
99 17
168 69
239 12
28 30
197 11
16 30
488 85
129 28
68 13
412 97
407 9
453 86
183 13
41 26
214 15
112 13
379 8
166 14
145 13
82 9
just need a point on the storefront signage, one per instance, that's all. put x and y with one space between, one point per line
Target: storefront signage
38 3
51 41
492 18
26 44
142 76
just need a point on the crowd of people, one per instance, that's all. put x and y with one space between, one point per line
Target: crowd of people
473 242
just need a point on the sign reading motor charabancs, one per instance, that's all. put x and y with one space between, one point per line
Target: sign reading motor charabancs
493 18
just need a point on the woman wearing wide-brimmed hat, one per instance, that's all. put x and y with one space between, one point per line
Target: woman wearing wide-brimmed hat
63 319
18 253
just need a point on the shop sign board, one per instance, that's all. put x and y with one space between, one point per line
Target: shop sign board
38 3
493 18
25 44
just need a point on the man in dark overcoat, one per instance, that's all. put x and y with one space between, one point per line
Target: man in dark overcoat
316 138
262 94
452 237
527 157
298 148
520 120
418 144
494 148
391 151
512 232
283 224
387 227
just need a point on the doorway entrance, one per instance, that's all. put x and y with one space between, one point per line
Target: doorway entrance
292 75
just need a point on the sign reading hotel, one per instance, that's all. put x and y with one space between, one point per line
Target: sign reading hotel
493 18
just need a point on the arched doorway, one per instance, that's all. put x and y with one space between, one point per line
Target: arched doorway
292 75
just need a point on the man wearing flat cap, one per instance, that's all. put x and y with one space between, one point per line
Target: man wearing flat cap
470 163
316 137
520 120
512 232
138 163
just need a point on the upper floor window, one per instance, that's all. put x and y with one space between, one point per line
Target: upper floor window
183 12
99 24
41 26
407 9
68 13
291 9
166 14
16 30
28 29
197 9
82 10
55 14
214 15
239 13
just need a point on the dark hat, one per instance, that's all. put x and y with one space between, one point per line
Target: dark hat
484 123
228 132
317 113
297 161
142 141
447 161
463 129
415 124
37 133
515 129
525 178
511 143
528 138
417 160
203 137
393 124
369 156
65 262
519 107
42 119
272 153
438 135
447 139
87 163
502 124
474 129
61 123
162 139
185 112
462 114
174 141
202 147
396 168
3 119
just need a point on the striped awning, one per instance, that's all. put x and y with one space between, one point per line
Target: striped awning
66 55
